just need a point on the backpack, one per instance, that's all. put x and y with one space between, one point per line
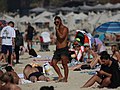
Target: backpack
32 52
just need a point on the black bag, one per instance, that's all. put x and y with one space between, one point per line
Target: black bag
32 52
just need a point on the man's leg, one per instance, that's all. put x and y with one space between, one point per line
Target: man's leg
92 80
9 55
65 60
57 69
17 53
105 82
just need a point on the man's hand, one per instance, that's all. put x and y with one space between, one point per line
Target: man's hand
57 27
101 72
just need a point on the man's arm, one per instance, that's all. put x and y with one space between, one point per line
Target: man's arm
63 34
25 77
101 72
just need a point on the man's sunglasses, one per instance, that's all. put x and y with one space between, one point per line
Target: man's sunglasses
56 22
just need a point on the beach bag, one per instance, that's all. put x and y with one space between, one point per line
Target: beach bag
48 69
32 52
79 37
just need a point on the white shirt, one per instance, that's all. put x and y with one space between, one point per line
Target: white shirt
46 37
7 34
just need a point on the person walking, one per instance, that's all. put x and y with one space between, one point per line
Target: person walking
29 35
7 40
61 52
18 43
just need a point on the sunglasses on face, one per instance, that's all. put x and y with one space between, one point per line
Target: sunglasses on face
86 46
56 22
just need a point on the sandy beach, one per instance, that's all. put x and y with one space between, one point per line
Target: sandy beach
75 81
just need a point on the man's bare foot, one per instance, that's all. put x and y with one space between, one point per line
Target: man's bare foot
61 80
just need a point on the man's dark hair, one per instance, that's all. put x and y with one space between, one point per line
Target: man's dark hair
47 88
105 56
103 53
28 65
11 22
57 17
8 68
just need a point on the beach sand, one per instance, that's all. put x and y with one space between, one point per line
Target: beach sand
75 80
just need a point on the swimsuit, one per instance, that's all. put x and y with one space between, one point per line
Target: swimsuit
37 74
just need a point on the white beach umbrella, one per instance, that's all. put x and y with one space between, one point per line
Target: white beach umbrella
115 18
46 13
25 19
42 20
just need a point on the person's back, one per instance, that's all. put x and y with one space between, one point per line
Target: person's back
10 86
19 39
30 30
9 82
11 71
15 77
7 34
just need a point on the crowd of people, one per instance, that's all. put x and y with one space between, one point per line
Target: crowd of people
85 52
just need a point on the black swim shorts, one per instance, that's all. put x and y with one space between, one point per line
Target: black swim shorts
60 52
37 74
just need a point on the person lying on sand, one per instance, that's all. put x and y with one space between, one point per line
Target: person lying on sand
34 74
11 71
7 79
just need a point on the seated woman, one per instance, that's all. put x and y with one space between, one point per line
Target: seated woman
75 54
90 59
115 52
108 75
34 74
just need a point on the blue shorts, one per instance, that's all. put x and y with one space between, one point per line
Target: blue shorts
6 48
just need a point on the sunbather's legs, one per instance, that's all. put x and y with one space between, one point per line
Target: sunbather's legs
75 67
94 62
43 78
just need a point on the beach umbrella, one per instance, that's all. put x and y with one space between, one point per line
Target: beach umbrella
109 27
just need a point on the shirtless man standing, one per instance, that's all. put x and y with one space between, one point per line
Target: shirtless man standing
34 74
61 52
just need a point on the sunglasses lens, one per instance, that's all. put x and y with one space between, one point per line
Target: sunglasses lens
56 22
